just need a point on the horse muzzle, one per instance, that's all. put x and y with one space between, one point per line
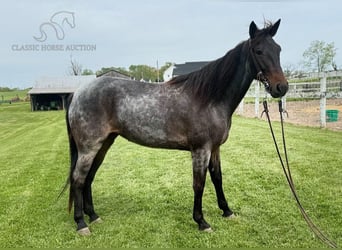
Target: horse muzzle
280 90
277 86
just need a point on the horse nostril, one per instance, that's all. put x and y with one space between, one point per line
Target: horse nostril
282 88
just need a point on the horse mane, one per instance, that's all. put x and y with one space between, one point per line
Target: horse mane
209 83
267 27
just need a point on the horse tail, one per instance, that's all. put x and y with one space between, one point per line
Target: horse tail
73 155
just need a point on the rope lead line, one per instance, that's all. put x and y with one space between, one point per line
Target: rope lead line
288 176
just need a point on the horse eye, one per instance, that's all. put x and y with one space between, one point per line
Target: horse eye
258 52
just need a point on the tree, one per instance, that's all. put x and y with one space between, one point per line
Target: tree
289 70
148 73
319 56
87 72
143 72
292 71
75 68
139 72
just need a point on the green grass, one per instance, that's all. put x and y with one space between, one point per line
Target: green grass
144 195
8 95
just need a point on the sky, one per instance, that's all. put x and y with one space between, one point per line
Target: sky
120 33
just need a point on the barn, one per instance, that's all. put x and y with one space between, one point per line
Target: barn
51 93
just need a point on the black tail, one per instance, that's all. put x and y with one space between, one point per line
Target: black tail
73 156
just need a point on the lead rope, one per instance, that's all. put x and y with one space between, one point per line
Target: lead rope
288 176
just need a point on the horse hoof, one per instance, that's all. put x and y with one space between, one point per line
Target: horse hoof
231 217
97 221
84 231
208 230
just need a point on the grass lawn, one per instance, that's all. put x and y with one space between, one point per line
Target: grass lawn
8 95
145 196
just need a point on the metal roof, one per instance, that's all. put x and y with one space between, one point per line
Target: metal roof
188 67
65 84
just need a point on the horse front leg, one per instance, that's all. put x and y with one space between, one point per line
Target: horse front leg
216 178
200 160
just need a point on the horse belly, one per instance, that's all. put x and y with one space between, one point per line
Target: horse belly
151 136
145 122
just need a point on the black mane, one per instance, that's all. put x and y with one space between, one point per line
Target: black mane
209 83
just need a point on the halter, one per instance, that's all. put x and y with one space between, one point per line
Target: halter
260 76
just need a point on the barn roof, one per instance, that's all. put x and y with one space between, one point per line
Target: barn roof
65 84
113 72
188 67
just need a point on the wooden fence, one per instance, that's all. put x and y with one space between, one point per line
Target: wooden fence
314 86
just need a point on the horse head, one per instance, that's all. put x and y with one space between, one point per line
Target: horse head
265 54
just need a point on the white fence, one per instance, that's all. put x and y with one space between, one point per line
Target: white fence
315 86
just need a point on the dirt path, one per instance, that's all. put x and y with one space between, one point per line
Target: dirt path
301 112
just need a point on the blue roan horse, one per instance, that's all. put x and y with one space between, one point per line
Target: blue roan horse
190 112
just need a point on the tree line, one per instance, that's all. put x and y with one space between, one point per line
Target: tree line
320 56
138 72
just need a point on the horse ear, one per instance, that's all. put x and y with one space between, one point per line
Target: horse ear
274 28
252 29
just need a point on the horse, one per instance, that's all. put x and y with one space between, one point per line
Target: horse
190 112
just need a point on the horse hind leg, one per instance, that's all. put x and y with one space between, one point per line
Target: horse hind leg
77 183
88 162
87 190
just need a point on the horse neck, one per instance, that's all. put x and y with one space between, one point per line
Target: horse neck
239 84
223 82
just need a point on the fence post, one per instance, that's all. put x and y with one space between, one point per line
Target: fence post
323 100
256 100
283 102
240 107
